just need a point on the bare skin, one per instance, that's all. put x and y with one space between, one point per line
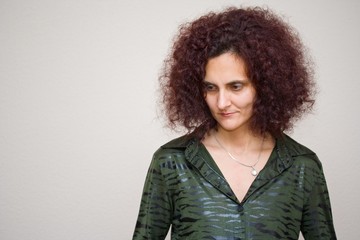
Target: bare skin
238 176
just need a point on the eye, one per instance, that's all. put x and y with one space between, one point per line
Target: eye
208 87
236 86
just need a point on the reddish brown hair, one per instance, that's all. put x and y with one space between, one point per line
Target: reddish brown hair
276 62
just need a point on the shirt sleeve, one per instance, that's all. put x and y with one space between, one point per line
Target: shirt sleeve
317 221
154 217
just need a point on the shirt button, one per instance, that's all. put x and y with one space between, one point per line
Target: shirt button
240 208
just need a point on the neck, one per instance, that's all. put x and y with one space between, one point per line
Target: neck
243 139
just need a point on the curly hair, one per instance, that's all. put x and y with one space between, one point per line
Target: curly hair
276 62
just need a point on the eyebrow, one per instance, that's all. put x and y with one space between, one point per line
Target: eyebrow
242 81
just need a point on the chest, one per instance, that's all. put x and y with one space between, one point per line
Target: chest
200 203
239 175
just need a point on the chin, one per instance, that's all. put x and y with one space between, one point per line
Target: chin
235 127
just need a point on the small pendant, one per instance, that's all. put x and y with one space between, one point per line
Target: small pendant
254 172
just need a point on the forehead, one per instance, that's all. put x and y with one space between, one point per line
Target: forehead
225 67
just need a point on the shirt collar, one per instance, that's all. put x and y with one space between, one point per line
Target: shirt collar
281 159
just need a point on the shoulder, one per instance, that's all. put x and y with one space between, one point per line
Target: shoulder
171 158
178 143
175 148
300 153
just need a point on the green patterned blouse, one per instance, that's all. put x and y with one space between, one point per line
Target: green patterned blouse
186 191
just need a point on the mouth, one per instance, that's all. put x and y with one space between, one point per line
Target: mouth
226 114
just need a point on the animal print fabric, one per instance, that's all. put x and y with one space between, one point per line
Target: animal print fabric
185 190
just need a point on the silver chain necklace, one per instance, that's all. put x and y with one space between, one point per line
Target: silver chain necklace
253 170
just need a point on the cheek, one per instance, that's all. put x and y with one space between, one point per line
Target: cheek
245 103
211 103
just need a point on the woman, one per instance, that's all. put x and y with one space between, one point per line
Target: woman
236 80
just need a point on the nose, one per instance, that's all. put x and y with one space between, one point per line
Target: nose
223 100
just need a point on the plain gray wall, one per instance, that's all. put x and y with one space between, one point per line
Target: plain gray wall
78 124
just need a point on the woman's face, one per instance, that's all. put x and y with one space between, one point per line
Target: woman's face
228 92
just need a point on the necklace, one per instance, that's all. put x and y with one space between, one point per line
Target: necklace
253 170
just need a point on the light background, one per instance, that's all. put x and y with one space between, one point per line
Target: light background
78 123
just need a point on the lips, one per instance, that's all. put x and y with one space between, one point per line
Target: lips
226 114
